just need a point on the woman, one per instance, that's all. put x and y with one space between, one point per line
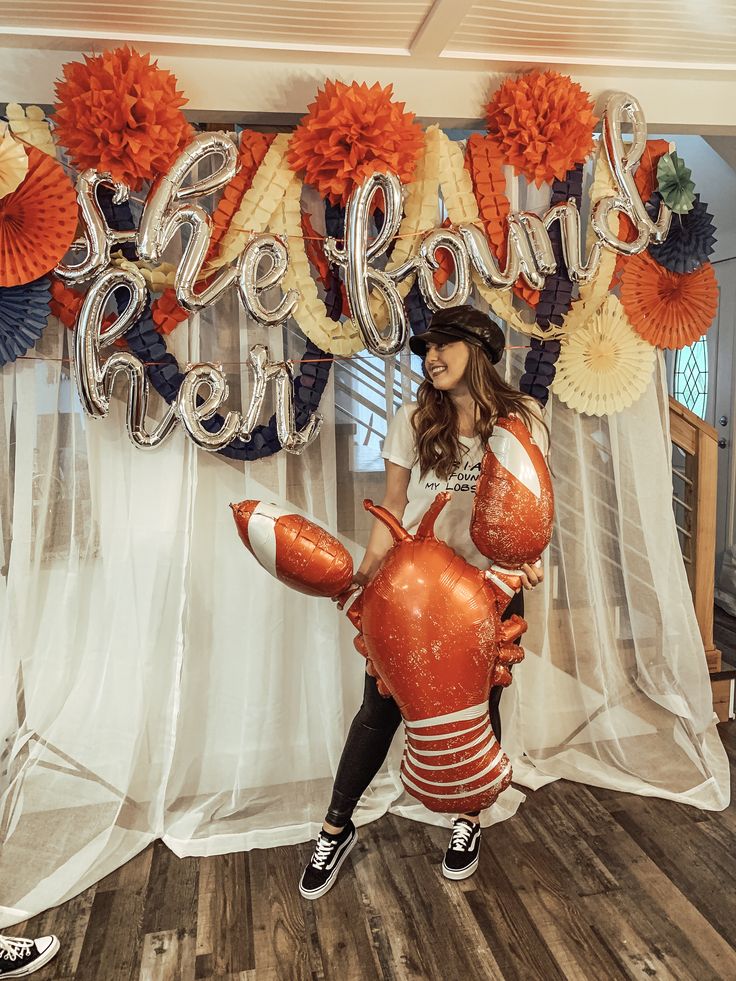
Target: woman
435 445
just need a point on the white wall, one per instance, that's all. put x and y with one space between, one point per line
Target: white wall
715 181
251 84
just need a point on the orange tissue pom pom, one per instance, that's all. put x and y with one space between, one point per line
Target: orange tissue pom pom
119 112
543 124
350 132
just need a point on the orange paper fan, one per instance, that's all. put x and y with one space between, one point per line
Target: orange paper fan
38 221
668 309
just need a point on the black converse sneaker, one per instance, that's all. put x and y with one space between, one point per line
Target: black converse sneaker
20 957
461 857
328 855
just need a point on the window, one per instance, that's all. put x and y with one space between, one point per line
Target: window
691 377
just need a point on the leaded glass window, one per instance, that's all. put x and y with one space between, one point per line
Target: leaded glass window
691 377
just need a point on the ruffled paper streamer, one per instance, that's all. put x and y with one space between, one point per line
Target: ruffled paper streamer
690 241
24 313
485 161
166 312
667 309
539 369
252 150
260 201
420 214
604 366
645 180
158 278
457 192
555 298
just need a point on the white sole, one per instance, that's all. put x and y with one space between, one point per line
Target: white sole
457 874
317 893
41 961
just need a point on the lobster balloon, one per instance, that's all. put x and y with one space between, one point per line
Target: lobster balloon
296 551
430 626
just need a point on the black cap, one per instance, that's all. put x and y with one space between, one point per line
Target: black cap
463 323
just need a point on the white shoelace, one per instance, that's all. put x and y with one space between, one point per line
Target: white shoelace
461 835
12 948
322 851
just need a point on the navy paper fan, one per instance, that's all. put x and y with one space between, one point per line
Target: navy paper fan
690 240
24 312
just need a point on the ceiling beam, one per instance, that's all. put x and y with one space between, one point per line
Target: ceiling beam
438 27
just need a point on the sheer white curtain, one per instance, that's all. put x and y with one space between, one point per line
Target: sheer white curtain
157 683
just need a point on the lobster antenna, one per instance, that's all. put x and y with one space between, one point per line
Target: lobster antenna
398 532
426 525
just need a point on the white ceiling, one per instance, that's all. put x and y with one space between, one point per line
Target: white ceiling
679 35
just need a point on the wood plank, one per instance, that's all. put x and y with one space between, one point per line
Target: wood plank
282 945
343 936
722 699
583 883
678 861
683 434
171 900
705 541
111 948
168 956
69 923
548 890
403 891
224 917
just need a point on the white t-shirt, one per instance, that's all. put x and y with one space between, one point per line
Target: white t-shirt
453 524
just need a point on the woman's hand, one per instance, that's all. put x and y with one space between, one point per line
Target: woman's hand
359 580
532 575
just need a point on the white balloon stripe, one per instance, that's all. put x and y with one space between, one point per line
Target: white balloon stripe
410 748
414 738
262 535
483 751
462 715
518 463
456 783
464 793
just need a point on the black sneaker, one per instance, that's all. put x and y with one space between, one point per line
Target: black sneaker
20 957
461 857
328 855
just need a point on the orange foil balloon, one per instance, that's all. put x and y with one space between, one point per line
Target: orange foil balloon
297 552
430 627
514 504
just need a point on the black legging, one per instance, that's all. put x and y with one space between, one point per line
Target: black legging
371 733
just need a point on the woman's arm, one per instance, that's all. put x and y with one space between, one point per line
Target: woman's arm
394 500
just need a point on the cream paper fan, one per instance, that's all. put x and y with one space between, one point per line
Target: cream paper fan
13 163
31 126
604 366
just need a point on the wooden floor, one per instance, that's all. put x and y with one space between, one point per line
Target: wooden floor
582 883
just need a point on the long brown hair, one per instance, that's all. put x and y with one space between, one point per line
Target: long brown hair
435 421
